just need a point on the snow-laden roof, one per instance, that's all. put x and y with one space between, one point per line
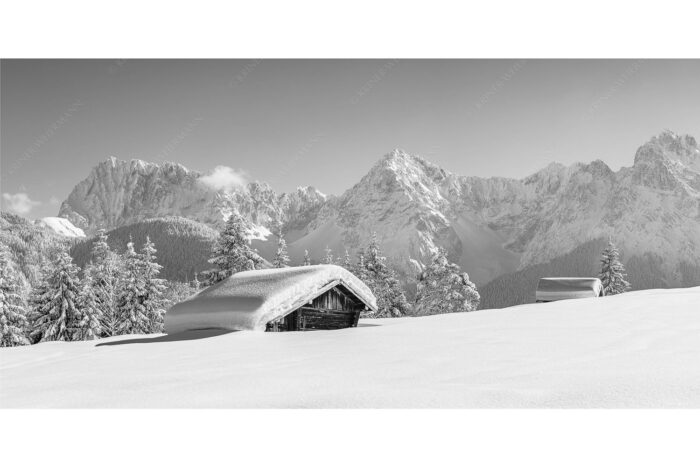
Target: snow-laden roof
249 300
563 288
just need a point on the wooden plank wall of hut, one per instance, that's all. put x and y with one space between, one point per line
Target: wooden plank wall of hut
331 310
334 299
311 318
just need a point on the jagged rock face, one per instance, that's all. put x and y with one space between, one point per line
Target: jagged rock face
490 226
668 162
118 193
651 207
301 207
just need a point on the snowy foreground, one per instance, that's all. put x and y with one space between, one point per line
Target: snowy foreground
641 349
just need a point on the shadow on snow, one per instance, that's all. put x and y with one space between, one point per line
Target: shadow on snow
182 336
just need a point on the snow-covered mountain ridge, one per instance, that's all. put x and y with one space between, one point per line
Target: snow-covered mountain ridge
496 225
490 226
118 193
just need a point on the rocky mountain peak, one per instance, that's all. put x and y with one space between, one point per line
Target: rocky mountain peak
668 162
399 170
119 192
307 192
670 146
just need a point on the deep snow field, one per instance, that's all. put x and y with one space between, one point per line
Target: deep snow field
640 349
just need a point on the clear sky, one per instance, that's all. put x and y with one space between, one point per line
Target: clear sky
326 122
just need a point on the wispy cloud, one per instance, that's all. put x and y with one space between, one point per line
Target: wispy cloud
225 178
19 203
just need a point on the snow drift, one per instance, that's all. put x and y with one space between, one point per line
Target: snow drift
639 349
251 299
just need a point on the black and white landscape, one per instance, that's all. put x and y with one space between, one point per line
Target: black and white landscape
505 233
453 259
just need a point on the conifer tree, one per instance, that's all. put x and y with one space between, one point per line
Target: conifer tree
153 300
281 257
55 315
612 272
232 252
307 259
358 269
13 314
328 259
89 325
443 288
381 279
37 297
347 262
130 309
104 272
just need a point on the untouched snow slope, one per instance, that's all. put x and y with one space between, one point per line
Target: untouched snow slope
62 226
639 349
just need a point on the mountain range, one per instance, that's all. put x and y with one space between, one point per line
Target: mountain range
492 227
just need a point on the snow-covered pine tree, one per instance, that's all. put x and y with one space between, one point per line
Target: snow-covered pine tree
130 310
104 271
37 297
13 314
347 262
359 269
281 257
328 259
307 258
232 252
153 299
89 325
381 279
443 288
55 314
612 272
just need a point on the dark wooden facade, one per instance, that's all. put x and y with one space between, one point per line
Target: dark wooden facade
334 309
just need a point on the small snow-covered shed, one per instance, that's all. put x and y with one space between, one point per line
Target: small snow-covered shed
550 289
286 299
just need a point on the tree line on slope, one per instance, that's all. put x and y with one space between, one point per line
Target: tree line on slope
112 295
29 245
183 245
123 293
112 292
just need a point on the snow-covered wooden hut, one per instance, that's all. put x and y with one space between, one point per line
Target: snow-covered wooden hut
550 289
286 299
